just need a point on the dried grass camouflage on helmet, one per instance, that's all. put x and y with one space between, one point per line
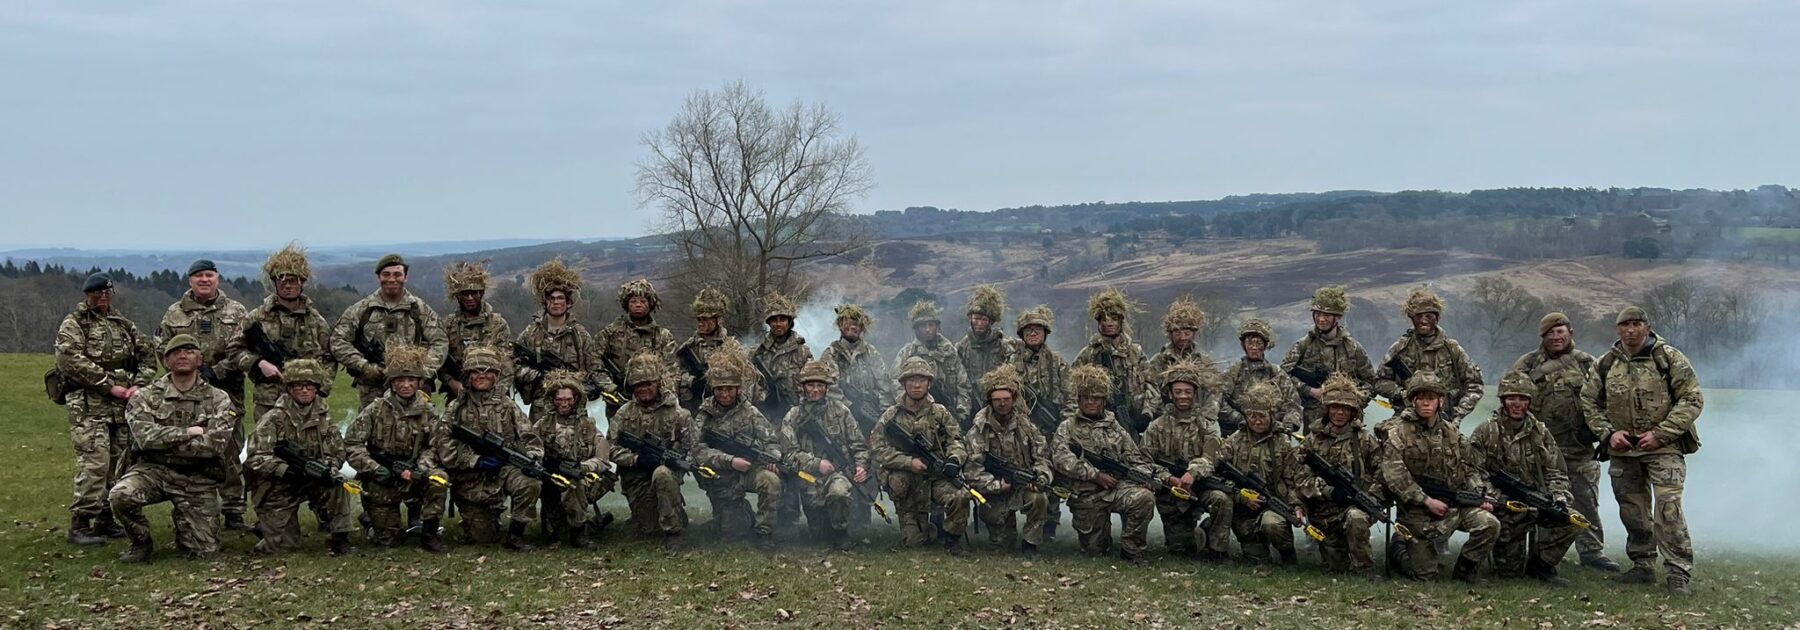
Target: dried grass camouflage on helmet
729 366
710 302
1004 377
1340 389
644 368
915 366
1111 304
1517 383
818 371
778 305
1425 382
987 300
405 359
304 371
555 275
1184 314
1090 381
464 275
1422 300
1193 372
558 379
640 287
1261 396
290 261
855 313
1258 327
486 359
1039 315
924 311
1332 300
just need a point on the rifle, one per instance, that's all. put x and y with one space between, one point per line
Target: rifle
617 375
265 349
1309 378
739 448
373 351
651 453
779 397
545 362
397 465
1443 491
1041 414
915 445
837 457
1119 469
1255 485
568 468
1550 512
1020 476
690 361
1118 402
306 469
1209 482
1401 373
487 443
1345 491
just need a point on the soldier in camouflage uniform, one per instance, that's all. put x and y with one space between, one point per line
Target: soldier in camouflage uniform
1262 451
985 347
1186 446
950 385
575 449
1003 429
914 487
1513 441
1098 495
1255 336
290 323
1181 325
1644 399
1421 445
1340 439
1559 370
474 323
782 352
212 317
555 337
1326 349
104 361
729 415
634 332
820 417
653 489
402 427
1113 350
709 309
1044 377
179 430
862 381
481 485
390 316
301 420
1427 348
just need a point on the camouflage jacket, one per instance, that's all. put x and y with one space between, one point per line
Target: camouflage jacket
1439 355
1559 381
832 417
158 419
1526 451
980 356
623 339
783 358
1189 439
1245 373
372 319
1103 436
310 428
482 412
661 419
299 333
576 439
96 351
1415 450
1016 441
925 418
1355 451
1653 390
1169 354
1044 375
1160 403
212 325
863 381
741 421
486 328
399 428
1276 459
951 382
701 352
1335 351
1129 369
571 344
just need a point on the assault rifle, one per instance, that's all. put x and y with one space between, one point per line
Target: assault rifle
1255 485
1443 491
568 468
398 465
690 361
1345 491
1041 415
1020 477
1121 470
915 445
838 458
759 457
1308 377
544 362
306 469
266 349
1209 482
651 453
372 350
489 444
1550 512
781 397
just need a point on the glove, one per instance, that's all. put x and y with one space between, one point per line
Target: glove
381 475
487 462
952 470
371 371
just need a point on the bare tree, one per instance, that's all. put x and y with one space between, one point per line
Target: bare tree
1503 312
749 193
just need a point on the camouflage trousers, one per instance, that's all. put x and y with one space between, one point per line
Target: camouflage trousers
1648 489
194 497
827 505
1259 530
655 500
915 495
1584 484
1001 516
731 506
1183 532
231 493
1522 540
278 511
1421 555
482 496
1346 529
99 443
1091 514
574 506
381 502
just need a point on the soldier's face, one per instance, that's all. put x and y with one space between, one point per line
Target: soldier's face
1559 339
1634 332
646 391
1182 337
483 380
725 395
638 307
1425 323
814 390
704 326
780 326
980 323
404 386
392 278
1324 322
1110 327
924 331
205 284
1254 347
1339 415
469 301
289 287
849 329
916 386
1183 394
303 393
564 401
183 361
1092 406
1258 421
1034 336
1002 401
1516 406
100 300
1427 404
557 305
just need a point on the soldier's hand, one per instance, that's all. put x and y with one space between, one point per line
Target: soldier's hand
269 371
119 392
1621 441
918 465
371 371
1437 508
1187 480
1649 442
1255 504
1172 481
1005 487
1487 506
740 464
406 476
1106 481
1313 392
862 475
131 391
194 432
825 467
631 461
456 386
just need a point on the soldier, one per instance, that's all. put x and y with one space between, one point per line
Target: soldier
1262 451
285 325
1113 350
950 383
300 421
729 416
709 309
1424 448
474 323
480 485
1186 447
985 347
554 340
1003 430
391 442
104 361
1181 325
1340 440
1514 442
575 449
389 316
823 428
213 318
1427 348
914 487
1645 398
782 353
633 333
1044 378
1099 495
653 489
1255 336
1327 348
1559 370
863 383
179 430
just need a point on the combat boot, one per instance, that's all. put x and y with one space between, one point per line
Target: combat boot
765 542
340 544
1639 574
108 526
431 537
1289 558
515 537
139 550
954 544
234 522
578 537
1545 573
81 533
1135 559
1601 563
1469 571
673 543
1678 585
1027 549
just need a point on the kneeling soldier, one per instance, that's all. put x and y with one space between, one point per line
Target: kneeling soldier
1099 494
1423 465
294 456
1010 463
827 440
389 444
1262 451
481 484
573 448
727 416
1513 442
1340 442
180 429
651 483
1185 444
915 484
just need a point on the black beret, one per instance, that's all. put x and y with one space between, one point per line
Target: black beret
97 282
202 265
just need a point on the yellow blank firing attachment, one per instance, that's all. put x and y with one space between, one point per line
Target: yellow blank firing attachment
706 472
1181 493
439 481
1518 506
612 398
353 487
1062 492
807 477
1404 532
560 481
592 477
1249 495
1384 404
978 498
1576 519
882 510
1315 533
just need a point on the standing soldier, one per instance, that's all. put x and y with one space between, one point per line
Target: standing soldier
779 357
1326 349
1186 449
863 384
915 487
1098 494
388 317
950 384
728 416
709 308
575 449
554 340
1044 378
1341 442
1513 442
1644 398
1181 325
474 323
652 486
1425 467
828 441
1426 348
180 431
103 361
634 332
482 484
985 347
1113 350
294 458
1255 337
213 318
1262 451
1559 370
391 443
1003 435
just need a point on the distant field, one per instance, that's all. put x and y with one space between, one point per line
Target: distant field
1787 234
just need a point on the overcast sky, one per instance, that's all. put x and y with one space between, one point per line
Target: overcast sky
250 123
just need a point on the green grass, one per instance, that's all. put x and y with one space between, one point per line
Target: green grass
1769 233
46 582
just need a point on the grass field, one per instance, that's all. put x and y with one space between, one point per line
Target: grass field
45 582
